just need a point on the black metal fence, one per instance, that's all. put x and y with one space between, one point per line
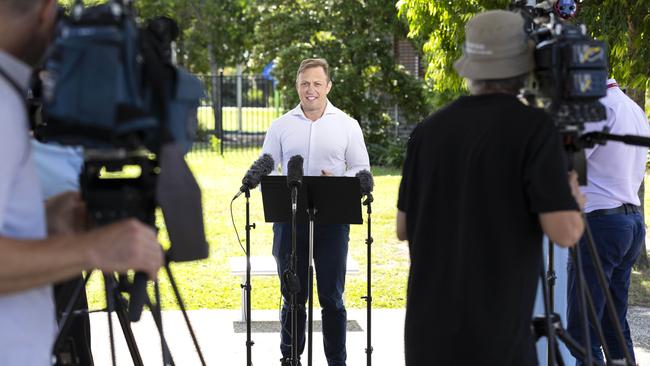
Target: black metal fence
236 112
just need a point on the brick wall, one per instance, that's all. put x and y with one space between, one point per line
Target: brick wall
407 56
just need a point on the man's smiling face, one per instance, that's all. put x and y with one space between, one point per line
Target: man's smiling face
313 87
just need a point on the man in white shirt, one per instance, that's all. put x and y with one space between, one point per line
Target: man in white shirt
615 172
331 144
39 247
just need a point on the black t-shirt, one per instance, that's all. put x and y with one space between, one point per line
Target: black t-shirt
477 174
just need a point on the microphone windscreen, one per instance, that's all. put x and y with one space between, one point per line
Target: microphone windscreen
294 171
366 181
266 164
261 167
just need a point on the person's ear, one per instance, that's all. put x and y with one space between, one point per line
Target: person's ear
47 13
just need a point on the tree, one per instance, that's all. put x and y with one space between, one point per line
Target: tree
214 34
623 24
438 26
356 39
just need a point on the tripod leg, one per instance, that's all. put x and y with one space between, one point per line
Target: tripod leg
109 287
181 304
574 346
122 316
596 323
550 332
66 319
156 314
609 301
582 303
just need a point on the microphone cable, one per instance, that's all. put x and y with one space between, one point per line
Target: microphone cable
232 217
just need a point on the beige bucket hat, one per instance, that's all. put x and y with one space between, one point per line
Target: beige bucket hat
496 47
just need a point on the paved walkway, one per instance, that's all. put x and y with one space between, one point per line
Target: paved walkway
222 338
222 345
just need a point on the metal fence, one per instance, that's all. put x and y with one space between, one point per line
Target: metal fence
236 112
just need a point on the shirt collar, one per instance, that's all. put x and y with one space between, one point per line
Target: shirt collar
329 109
19 71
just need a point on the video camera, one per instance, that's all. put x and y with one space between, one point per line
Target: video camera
109 84
571 67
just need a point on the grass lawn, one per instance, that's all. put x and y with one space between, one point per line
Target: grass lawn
208 283
253 119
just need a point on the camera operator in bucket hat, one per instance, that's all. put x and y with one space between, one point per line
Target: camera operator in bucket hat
484 179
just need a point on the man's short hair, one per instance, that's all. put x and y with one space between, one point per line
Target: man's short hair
312 62
18 6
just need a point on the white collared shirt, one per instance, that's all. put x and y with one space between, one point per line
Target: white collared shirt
615 170
27 318
333 143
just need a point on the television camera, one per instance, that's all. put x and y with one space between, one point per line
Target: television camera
108 84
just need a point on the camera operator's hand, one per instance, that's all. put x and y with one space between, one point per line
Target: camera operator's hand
125 245
575 190
66 214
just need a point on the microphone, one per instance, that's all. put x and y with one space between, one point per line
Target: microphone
365 182
294 172
260 168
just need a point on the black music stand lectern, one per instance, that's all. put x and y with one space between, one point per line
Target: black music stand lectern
323 200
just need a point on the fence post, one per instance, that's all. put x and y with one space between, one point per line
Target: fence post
220 112
239 98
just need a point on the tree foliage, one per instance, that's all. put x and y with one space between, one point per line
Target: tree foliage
438 26
211 31
355 37
625 26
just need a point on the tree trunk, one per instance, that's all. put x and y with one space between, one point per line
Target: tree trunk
215 91
638 95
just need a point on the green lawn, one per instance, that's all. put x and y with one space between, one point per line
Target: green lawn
208 283
253 119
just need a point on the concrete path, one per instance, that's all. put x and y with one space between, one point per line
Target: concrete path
222 345
222 338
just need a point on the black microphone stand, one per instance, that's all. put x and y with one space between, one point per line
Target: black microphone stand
247 286
368 297
290 279
310 286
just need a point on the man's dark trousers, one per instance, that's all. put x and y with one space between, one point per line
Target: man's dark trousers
330 258
618 238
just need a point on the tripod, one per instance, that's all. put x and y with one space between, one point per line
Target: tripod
550 325
109 200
